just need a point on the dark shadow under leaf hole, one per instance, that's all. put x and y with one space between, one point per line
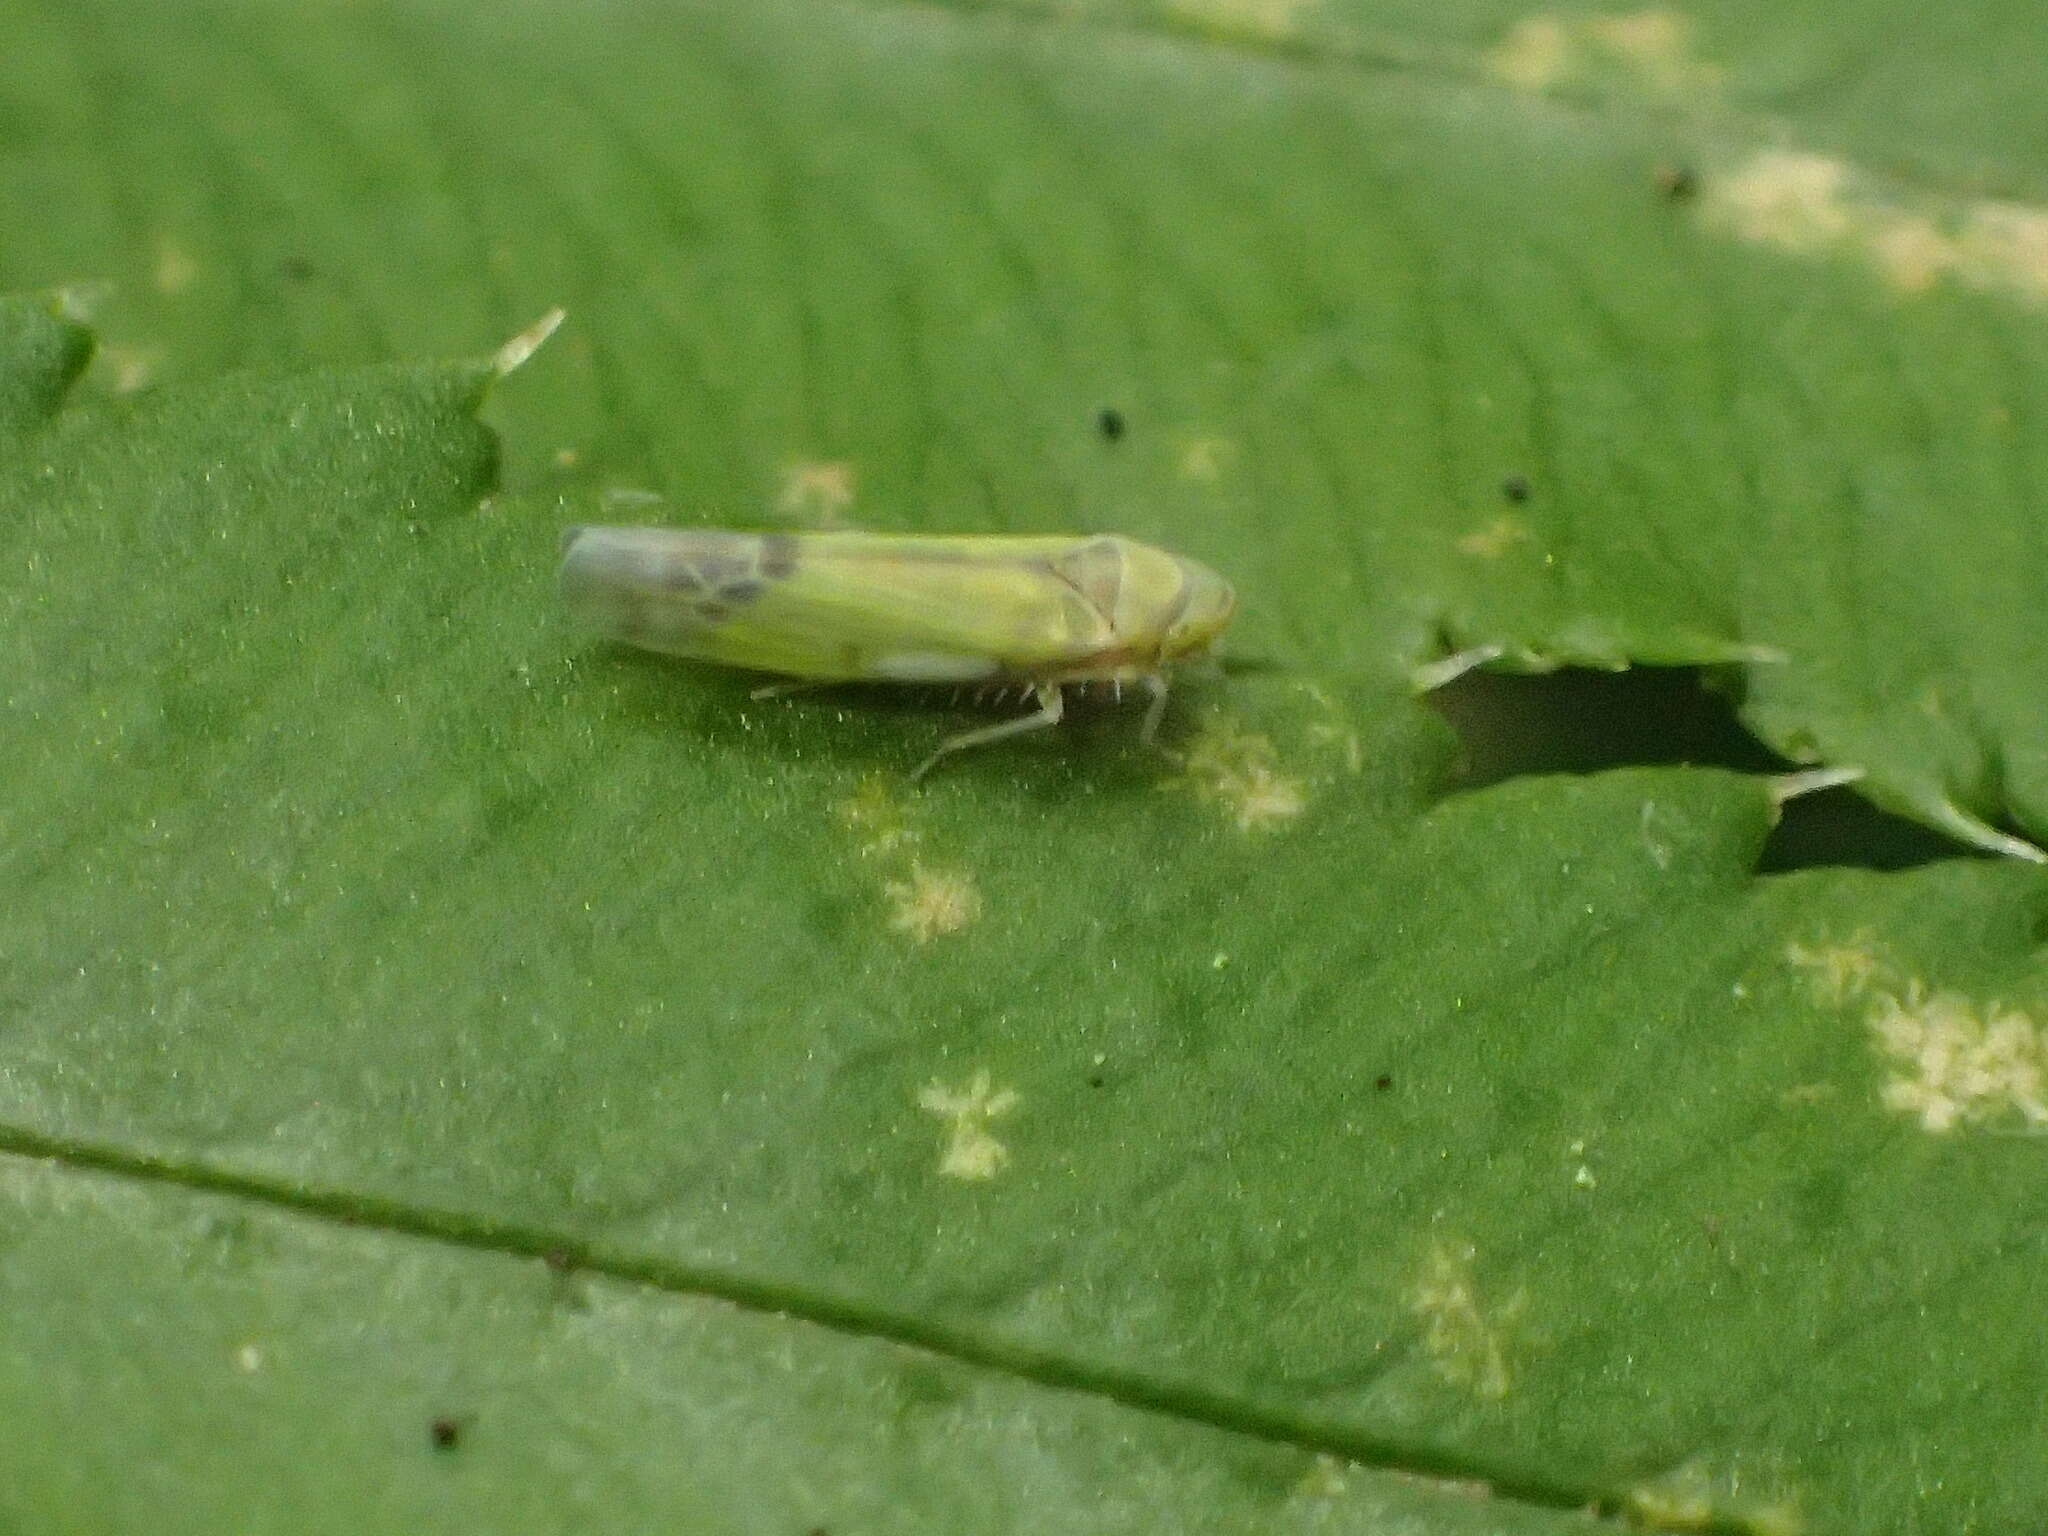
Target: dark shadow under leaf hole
1579 721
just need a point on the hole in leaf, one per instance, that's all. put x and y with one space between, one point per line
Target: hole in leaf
1582 721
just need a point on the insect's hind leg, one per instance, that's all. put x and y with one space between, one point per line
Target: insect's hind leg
1051 707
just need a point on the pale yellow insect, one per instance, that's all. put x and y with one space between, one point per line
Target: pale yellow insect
1030 613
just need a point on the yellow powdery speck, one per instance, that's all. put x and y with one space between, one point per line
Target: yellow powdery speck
931 902
1239 771
1467 1345
1838 971
1648 51
1202 459
1813 204
815 494
1954 1063
1265 21
175 268
2005 242
1496 538
1657 44
971 1152
133 368
926 901
1535 55
1792 199
874 814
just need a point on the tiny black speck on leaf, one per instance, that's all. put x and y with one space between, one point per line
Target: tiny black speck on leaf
1096 1081
1383 1082
446 1433
1110 422
1677 182
1515 488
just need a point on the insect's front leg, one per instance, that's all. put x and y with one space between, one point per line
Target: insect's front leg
1155 712
1051 707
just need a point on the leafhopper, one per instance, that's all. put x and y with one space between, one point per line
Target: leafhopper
1033 614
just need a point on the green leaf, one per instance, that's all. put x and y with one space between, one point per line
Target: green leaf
307 1377
1088 1140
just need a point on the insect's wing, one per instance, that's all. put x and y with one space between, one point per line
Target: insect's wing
840 606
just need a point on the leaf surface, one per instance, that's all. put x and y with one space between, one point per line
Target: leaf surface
1239 1133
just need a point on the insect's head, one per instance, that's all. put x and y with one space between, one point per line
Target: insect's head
1208 603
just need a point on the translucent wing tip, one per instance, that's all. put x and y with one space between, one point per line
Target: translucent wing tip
600 579
609 576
